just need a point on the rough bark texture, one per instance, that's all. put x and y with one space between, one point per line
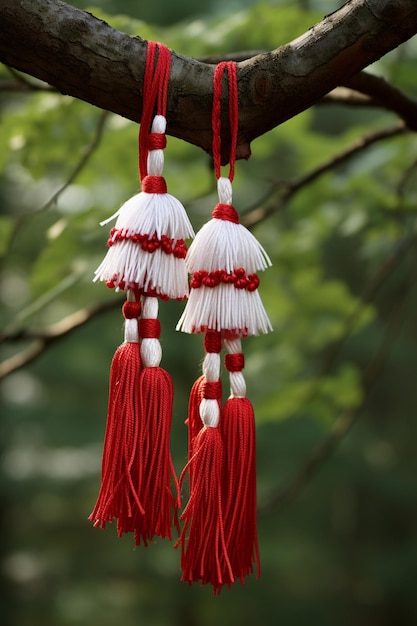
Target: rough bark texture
88 59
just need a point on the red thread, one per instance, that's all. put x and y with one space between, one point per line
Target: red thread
156 141
149 328
239 487
156 469
154 98
131 310
213 342
234 362
225 212
233 113
238 278
119 494
150 243
203 547
154 184
213 390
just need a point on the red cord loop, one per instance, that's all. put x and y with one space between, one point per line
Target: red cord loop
155 96
149 328
154 184
225 212
231 67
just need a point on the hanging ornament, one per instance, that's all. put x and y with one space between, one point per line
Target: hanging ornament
146 258
219 538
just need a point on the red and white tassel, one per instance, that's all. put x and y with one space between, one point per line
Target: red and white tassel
203 546
223 260
118 496
147 245
219 539
147 256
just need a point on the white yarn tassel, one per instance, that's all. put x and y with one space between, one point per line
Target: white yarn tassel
145 243
224 259
222 241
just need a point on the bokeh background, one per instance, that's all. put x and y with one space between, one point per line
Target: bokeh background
334 387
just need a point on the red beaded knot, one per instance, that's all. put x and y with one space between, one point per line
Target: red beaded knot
212 341
238 278
149 328
225 212
131 310
154 184
156 141
150 243
234 362
213 390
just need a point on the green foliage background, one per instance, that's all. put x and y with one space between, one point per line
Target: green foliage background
344 551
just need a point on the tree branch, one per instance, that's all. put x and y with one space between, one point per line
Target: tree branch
88 59
256 215
41 340
279 498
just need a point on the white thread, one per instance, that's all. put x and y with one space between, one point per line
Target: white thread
140 215
221 244
150 308
131 334
237 380
209 407
156 157
224 308
211 366
131 331
224 190
150 348
157 271
210 412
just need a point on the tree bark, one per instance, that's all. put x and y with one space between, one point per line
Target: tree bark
88 59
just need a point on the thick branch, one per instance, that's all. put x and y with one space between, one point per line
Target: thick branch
88 59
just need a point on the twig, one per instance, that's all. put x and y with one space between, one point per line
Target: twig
43 339
288 492
22 83
256 215
87 154
13 85
388 96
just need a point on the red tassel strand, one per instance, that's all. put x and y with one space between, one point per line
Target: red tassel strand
204 555
155 392
239 439
118 496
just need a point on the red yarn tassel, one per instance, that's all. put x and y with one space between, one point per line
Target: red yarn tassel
118 496
203 548
193 420
155 393
238 430
239 484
